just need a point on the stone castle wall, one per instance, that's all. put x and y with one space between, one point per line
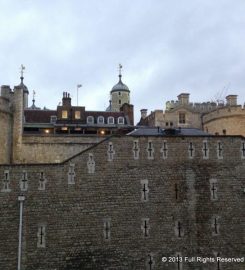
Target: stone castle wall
49 149
127 202
196 107
18 120
193 119
5 130
231 119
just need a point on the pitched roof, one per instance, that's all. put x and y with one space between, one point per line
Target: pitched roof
38 116
104 113
155 131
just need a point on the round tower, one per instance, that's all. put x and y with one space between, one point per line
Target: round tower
120 94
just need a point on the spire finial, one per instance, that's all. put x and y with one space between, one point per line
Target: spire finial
120 71
33 97
22 68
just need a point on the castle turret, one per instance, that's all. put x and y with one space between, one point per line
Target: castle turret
5 124
24 87
18 121
120 94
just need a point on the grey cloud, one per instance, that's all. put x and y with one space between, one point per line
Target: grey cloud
165 47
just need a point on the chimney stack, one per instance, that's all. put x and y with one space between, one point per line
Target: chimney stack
66 101
183 98
231 100
143 113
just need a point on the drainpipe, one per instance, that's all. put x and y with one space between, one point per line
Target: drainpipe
21 199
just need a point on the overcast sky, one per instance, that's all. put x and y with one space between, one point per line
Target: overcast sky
165 46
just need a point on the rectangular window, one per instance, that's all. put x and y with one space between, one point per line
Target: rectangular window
71 174
144 190
107 228
213 189
42 181
145 227
24 181
77 115
64 114
6 182
53 119
182 119
41 236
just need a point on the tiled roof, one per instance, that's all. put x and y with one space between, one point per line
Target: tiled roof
43 116
103 113
38 116
168 132
106 114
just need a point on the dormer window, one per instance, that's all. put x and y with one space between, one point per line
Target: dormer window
90 120
110 120
77 115
53 119
120 120
64 114
100 120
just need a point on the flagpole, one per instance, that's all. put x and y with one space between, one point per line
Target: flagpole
78 86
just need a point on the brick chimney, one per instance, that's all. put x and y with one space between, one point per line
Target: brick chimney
66 100
231 100
183 98
128 110
143 113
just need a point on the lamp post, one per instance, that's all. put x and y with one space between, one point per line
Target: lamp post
21 199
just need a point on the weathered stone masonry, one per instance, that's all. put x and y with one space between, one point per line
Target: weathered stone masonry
109 208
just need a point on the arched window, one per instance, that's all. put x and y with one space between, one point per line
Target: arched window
100 120
110 120
120 120
90 120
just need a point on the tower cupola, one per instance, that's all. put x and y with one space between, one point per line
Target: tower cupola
120 93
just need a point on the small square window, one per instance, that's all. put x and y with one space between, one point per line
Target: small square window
64 114
90 120
77 115
110 120
53 119
100 120
120 120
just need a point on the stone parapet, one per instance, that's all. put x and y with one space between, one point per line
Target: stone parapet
223 112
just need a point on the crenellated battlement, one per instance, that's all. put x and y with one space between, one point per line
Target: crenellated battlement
224 112
195 107
183 102
4 105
